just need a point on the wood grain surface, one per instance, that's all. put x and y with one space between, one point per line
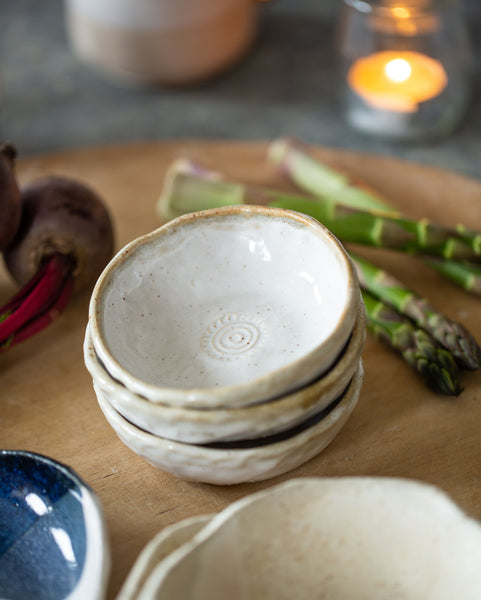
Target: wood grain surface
398 429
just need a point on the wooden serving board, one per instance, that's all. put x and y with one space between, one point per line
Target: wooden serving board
399 428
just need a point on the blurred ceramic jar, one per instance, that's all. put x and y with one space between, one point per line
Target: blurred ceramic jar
172 42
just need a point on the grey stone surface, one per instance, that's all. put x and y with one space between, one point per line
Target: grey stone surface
286 85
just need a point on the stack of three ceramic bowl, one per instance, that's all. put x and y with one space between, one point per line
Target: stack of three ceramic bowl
226 345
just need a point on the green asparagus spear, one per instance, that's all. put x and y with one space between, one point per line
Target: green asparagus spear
368 228
449 334
187 189
465 275
434 364
294 159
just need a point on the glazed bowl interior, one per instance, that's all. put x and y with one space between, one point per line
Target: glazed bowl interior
224 298
53 535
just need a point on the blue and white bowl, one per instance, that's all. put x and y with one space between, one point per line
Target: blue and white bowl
53 542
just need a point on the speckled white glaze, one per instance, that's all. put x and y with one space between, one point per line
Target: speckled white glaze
351 538
162 545
225 307
234 465
192 425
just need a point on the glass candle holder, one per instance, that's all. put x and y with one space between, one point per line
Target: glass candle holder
405 67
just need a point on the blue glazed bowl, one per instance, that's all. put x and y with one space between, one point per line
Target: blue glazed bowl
53 542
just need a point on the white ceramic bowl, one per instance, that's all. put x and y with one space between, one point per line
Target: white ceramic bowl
160 547
241 461
229 306
199 426
338 538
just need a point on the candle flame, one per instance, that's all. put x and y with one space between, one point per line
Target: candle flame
397 80
398 70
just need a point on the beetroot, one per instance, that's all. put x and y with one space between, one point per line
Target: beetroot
61 216
63 242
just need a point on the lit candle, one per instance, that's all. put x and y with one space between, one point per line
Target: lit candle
397 81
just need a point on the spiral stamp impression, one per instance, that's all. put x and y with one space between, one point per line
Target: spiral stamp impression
232 335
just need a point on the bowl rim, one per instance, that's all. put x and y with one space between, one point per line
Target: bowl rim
161 546
273 414
268 385
346 402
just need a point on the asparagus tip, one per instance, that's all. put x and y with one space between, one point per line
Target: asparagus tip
469 352
443 379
